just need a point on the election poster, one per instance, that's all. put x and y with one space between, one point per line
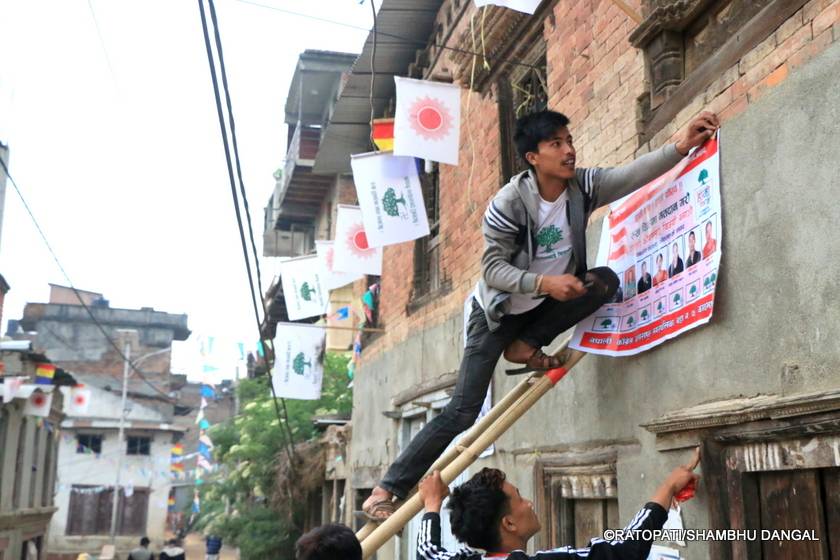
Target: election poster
664 243
298 362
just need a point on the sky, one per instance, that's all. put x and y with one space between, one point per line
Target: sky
115 144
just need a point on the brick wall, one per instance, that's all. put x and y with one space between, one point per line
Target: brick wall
594 76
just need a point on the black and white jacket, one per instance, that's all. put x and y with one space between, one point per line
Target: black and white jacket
651 517
511 217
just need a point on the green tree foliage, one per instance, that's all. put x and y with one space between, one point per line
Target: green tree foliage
548 236
306 291
390 202
240 502
299 364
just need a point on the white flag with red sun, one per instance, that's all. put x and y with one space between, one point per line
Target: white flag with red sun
38 404
333 279
389 193
304 290
527 6
79 401
353 253
427 123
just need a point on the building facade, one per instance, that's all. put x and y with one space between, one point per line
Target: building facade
90 452
758 389
90 456
303 205
28 453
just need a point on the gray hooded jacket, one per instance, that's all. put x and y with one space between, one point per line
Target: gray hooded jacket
509 224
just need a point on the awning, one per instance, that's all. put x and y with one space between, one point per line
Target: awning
348 128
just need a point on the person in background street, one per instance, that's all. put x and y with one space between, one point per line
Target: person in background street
172 551
492 520
142 552
214 547
328 542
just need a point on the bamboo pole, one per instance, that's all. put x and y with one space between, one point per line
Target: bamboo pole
625 7
466 457
478 428
331 327
466 440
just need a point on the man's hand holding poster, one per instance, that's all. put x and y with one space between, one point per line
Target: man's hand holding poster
664 243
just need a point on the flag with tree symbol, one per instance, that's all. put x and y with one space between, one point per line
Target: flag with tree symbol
390 197
298 362
304 289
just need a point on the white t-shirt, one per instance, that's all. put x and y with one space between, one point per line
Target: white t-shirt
554 249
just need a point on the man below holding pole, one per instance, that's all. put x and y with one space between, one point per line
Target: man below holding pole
493 520
534 280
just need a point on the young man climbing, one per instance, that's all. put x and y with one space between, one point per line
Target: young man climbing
492 520
534 280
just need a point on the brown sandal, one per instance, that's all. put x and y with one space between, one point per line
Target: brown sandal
384 505
539 362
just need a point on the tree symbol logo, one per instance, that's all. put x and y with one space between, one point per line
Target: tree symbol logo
692 290
391 204
704 176
606 323
630 322
548 236
659 307
645 314
677 299
300 363
306 291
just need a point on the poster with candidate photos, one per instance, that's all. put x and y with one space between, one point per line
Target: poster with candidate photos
664 243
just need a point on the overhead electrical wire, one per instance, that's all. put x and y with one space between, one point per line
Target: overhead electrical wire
284 423
497 60
87 308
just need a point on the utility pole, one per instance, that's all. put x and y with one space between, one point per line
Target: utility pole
120 442
121 447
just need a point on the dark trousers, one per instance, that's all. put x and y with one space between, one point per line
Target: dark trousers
538 327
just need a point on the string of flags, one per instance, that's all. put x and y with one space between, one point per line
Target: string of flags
426 127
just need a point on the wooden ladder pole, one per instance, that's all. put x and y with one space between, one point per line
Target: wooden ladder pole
466 439
459 464
625 7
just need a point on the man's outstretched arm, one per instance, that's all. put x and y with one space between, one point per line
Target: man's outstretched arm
651 517
609 184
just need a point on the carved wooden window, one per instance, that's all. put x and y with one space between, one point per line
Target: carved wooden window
689 43
576 503
523 91
427 249
770 463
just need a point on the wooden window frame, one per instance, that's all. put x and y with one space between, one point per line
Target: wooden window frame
741 437
511 91
80 447
138 441
428 281
558 484
658 28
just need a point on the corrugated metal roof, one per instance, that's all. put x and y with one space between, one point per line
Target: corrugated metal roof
348 129
316 76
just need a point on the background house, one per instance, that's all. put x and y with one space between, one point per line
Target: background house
90 455
28 459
